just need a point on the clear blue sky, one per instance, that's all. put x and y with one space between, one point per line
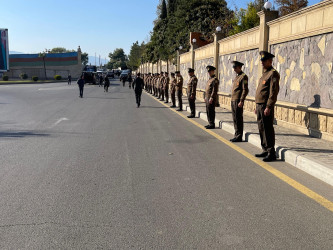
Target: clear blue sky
96 25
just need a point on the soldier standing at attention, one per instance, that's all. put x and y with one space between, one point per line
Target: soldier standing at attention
81 83
211 96
160 87
69 79
150 83
179 90
266 97
239 92
166 86
191 91
173 90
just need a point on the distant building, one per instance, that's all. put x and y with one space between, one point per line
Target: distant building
55 64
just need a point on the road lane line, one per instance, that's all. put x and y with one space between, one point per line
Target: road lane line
60 120
290 181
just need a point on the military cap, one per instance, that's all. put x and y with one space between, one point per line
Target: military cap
172 74
177 72
190 70
158 74
237 64
149 73
162 72
166 72
210 68
265 55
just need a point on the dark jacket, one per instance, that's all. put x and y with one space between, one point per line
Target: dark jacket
80 82
138 84
106 81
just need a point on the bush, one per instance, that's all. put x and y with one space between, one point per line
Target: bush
5 78
24 76
57 77
34 78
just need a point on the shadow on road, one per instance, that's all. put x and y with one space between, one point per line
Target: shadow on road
21 134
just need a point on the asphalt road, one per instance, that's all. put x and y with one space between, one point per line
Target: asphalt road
99 173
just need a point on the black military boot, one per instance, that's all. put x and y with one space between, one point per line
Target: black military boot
263 154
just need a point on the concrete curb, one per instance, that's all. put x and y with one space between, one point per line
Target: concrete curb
294 158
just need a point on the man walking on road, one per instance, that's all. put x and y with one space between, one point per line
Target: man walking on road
266 97
211 96
138 85
106 84
239 92
179 90
81 82
191 91
69 79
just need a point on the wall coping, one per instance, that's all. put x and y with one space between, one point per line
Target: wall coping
238 34
204 47
301 11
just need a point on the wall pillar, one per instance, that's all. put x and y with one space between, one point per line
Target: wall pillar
193 48
265 17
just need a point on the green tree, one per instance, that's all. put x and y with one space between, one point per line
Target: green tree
184 16
163 10
135 56
118 59
289 6
245 19
84 58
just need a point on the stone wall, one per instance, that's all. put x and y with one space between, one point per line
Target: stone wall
184 71
305 66
250 59
201 71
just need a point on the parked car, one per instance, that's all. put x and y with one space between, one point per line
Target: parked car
89 73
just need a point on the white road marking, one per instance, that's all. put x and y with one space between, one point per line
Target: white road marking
60 120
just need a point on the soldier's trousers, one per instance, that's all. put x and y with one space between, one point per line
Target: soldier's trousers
166 94
210 109
192 105
173 97
162 94
266 129
180 100
237 116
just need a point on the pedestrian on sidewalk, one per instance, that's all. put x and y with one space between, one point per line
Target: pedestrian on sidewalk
191 91
81 83
238 94
266 97
166 86
173 90
179 90
138 85
211 96
69 79
106 84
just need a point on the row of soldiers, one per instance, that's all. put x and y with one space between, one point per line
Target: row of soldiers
265 98
159 84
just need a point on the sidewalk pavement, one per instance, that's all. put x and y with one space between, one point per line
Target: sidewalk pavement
312 155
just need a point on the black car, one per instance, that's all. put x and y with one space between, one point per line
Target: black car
89 73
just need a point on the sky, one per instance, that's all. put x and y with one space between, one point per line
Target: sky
98 26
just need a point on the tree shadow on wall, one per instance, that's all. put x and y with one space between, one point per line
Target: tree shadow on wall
311 120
